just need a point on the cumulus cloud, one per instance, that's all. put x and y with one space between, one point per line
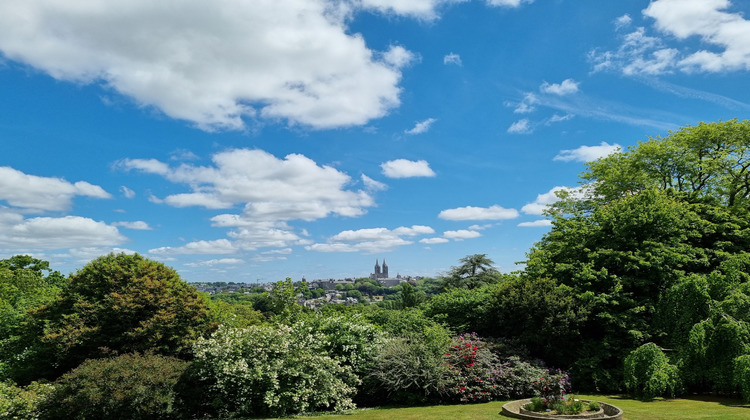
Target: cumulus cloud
33 193
460 235
270 188
527 104
536 223
623 21
566 87
494 212
522 126
452 58
402 168
421 9
544 200
18 233
421 126
371 240
587 153
642 54
137 225
216 64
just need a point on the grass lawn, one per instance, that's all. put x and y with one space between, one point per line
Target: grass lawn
677 409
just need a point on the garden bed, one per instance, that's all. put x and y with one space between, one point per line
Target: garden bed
515 410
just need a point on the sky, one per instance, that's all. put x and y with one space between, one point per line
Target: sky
250 141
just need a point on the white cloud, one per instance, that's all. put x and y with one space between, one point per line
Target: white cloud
623 21
402 168
566 87
452 58
137 225
218 246
587 153
527 104
38 194
460 235
372 185
727 33
127 192
220 261
421 9
215 64
494 212
18 233
708 20
536 223
522 126
431 241
508 3
421 126
559 118
371 240
271 189
544 200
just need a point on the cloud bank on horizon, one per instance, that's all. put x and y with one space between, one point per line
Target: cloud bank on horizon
235 70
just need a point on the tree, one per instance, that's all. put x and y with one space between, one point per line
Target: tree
710 160
117 304
23 287
475 271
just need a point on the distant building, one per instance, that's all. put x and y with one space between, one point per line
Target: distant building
380 273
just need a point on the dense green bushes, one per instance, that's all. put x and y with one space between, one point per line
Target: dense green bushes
130 386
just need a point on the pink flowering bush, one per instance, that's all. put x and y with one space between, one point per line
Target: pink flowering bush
473 373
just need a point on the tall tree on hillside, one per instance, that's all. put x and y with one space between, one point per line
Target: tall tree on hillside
474 271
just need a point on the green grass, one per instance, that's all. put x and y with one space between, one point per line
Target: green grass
678 409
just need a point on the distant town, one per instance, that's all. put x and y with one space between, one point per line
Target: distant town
349 290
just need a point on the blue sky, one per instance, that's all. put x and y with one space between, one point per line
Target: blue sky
255 140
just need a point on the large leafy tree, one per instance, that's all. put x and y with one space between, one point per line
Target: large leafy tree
659 238
25 283
473 271
116 304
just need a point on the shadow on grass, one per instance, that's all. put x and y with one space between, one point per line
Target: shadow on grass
718 399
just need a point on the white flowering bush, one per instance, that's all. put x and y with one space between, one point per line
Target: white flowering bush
269 370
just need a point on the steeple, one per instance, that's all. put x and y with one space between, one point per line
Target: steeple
385 269
377 268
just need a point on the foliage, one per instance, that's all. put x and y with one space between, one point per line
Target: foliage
264 370
474 271
541 314
115 304
742 375
18 403
462 310
408 369
23 286
648 373
236 315
710 160
475 374
129 386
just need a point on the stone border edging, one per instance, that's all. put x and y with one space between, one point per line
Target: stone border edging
513 409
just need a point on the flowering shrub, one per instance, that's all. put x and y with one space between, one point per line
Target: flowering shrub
269 370
551 388
474 373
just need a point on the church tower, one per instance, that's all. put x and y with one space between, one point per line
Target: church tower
385 269
377 269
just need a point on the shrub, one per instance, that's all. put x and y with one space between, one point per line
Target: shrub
594 406
742 375
408 369
265 370
18 403
130 386
648 373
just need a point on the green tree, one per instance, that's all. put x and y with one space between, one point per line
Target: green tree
474 271
117 304
648 373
